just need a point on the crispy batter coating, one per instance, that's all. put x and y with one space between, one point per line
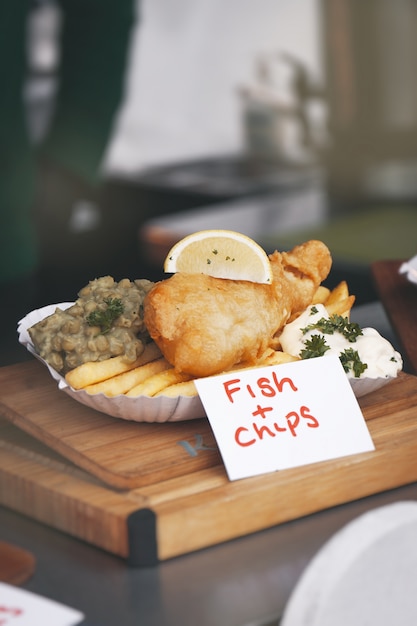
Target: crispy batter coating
206 325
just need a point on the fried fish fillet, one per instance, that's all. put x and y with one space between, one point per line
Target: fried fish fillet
205 325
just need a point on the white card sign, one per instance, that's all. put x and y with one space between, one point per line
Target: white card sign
276 417
24 608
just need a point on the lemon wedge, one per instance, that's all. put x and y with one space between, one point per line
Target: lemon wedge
222 254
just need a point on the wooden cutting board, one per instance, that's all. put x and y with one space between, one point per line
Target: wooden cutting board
137 491
122 454
399 298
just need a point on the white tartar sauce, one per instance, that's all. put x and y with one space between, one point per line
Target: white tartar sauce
381 359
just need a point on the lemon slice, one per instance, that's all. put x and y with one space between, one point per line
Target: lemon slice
222 254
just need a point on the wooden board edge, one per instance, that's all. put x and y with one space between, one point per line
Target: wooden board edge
159 533
53 498
177 541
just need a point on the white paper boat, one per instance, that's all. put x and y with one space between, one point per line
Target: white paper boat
143 408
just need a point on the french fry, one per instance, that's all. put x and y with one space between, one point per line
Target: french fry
96 371
321 295
186 388
122 383
275 343
341 307
277 357
157 382
337 294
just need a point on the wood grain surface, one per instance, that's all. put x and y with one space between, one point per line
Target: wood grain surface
399 298
173 510
121 453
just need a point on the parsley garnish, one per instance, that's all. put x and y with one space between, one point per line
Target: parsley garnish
316 346
336 323
106 317
350 360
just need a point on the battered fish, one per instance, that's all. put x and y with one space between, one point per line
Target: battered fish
206 325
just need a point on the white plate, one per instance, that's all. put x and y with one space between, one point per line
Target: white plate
365 574
410 269
363 386
141 409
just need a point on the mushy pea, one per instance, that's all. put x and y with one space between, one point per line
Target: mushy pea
105 321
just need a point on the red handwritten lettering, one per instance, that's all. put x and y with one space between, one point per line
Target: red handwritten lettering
251 391
312 422
293 419
238 434
229 391
266 388
263 430
262 411
280 383
11 612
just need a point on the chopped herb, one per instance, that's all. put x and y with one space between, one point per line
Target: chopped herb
336 323
350 360
106 317
316 346
215 251
208 262
313 310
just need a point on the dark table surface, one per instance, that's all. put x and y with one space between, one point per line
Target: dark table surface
243 582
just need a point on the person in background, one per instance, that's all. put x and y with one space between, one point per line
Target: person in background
94 44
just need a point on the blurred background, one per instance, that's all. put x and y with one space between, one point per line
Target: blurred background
146 120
